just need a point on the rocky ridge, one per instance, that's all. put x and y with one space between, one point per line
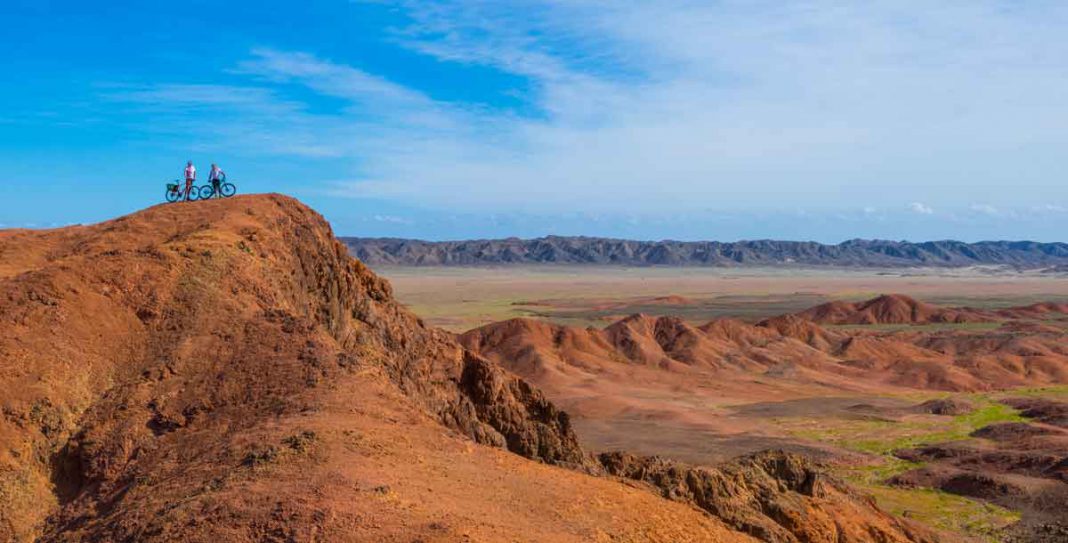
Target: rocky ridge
604 251
225 371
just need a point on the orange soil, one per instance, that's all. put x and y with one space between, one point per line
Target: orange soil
224 371
655 384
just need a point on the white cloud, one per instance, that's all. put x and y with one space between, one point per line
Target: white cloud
327 77
175 96
675 106
1050 208
921 208
392 219
665 105
985 209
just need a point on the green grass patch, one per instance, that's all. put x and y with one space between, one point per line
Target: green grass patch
876 474
944 511
941 510
883 437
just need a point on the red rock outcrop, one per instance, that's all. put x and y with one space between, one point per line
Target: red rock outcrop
224 371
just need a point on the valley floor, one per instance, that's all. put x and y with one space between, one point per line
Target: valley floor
862 431
461 298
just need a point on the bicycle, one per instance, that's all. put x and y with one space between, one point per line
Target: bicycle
226 190
175 192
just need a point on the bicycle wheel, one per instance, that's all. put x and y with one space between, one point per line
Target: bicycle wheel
193 194
173 195
228 190
207 191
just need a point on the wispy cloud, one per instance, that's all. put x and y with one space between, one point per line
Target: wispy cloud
392 219
921 208
194 95
1050 208
640 118
668 105
327 77
986 209
250 116
677 106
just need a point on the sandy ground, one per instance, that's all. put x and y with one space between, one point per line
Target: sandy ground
462 298
706 421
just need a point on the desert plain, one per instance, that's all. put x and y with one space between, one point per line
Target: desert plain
227 371
961 456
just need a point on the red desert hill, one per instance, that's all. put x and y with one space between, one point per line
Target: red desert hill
889 309
225 371
554 355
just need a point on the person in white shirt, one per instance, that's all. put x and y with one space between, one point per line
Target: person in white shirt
190 177
216 177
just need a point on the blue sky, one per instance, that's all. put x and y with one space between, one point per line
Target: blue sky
820 120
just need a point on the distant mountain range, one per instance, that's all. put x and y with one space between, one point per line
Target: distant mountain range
603 251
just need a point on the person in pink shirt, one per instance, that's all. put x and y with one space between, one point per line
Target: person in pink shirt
190 177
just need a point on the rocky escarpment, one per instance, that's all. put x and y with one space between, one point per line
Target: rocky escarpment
466 392
225 371
774 496
602 251
522 419
130 345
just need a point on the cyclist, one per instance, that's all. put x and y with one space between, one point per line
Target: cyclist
190 177
217 176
